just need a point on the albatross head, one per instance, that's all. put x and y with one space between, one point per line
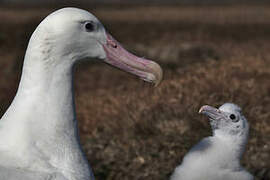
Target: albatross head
77 34
226 120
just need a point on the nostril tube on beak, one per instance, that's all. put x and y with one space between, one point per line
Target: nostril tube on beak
111 43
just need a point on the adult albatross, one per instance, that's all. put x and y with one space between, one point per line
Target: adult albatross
38 133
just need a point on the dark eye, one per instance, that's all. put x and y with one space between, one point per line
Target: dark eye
89 26
233 118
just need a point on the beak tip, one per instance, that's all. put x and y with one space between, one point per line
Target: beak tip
157 81
158 73
203 109
145 69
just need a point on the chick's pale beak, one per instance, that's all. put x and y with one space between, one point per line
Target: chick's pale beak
119 57
211 112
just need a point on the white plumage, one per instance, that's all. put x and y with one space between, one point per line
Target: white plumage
38 133
218 157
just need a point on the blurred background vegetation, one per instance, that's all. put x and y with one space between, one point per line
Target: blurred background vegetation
211 52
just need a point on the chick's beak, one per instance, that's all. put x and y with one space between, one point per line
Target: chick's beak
211 112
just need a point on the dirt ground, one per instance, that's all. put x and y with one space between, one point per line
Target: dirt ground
131 130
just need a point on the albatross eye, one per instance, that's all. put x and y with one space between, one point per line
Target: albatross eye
233 118
89 26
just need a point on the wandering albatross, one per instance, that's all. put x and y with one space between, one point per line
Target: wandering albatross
218 157
38 133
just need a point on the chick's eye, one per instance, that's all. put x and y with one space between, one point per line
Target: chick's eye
233 118
89 26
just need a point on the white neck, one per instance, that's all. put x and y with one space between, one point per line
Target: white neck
236 142
46 85
52 85
43 112
230 150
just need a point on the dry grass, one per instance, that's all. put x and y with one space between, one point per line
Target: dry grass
130 130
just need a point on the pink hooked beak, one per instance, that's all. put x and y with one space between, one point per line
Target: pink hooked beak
211 112
119 57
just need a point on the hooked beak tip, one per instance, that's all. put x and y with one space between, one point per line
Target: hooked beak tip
206 108
157 72
147 70
201 110
210 112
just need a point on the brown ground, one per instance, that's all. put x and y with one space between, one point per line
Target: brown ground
130 130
